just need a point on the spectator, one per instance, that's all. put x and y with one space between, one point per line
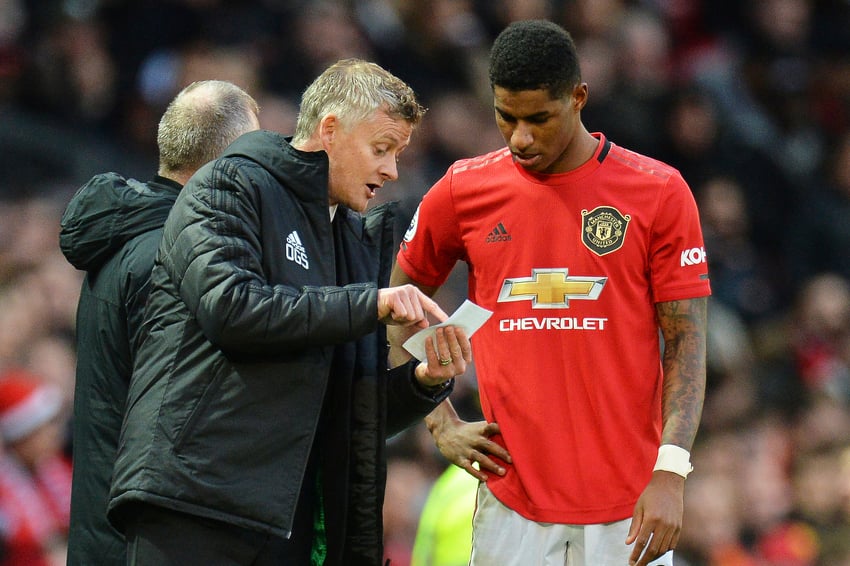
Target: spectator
820 334
444 535
35 476
819 237
741 279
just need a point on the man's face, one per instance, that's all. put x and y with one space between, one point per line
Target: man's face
363 156
537 129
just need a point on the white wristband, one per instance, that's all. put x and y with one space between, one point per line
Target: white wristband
672 458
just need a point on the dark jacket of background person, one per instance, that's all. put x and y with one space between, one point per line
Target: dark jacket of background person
231 345
111 230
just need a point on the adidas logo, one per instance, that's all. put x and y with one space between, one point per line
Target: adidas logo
498 234
295 250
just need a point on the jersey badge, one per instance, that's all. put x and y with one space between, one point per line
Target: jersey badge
603 229
411 229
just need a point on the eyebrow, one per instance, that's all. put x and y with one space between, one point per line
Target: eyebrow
388 140
536 116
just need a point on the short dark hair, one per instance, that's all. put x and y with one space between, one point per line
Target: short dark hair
535 54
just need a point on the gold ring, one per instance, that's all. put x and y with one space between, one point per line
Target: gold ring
445 362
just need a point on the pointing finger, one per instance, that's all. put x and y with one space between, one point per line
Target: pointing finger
433 308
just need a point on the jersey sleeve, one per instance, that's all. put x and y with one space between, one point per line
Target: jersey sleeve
678 260
432 244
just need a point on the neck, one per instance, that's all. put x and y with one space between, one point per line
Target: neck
586 146
177 176
579 152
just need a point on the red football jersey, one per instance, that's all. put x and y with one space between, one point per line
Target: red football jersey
569 365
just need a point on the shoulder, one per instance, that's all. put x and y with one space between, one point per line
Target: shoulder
468 177
127 270
137 257
225 183
639 165
482 164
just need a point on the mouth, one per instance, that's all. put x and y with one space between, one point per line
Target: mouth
372 187
527 159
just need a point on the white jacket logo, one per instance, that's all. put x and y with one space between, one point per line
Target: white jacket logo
693 256
295 250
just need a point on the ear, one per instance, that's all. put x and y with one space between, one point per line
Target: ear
579 97
328 129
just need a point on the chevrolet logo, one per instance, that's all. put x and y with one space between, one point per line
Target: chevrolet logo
551 288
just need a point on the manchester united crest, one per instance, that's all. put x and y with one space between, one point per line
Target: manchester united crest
603 229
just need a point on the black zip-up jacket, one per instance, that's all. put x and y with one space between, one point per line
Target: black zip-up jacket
249 307
111 230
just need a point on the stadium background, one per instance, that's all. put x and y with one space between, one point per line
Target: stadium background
750 99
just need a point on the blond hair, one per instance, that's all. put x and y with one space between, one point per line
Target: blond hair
352 89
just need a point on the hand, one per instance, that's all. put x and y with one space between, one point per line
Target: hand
452 347
406 305
467 443
657 519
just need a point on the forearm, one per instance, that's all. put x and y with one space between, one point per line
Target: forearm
248 318
396 336
442 415
683 325
407 401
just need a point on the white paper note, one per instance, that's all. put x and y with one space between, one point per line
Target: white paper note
468 316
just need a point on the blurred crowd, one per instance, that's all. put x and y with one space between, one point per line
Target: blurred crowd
750 99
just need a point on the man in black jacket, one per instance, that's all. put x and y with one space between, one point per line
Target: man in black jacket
111 229
261 398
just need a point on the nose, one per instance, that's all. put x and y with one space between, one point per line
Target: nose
522 137
389 169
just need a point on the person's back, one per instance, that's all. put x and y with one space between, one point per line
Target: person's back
118 255
111 230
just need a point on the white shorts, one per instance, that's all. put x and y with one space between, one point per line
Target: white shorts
504 537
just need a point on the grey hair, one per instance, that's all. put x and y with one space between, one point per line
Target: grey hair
201 121
352 89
